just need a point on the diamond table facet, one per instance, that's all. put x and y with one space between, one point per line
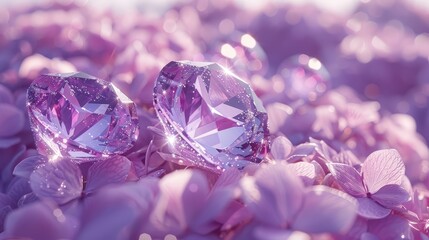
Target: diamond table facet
79 116
215 118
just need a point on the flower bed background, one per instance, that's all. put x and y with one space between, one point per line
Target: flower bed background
346 93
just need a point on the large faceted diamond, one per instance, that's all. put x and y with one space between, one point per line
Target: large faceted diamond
79 116
214 119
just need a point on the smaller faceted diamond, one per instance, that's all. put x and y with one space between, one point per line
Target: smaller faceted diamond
79 116
215 118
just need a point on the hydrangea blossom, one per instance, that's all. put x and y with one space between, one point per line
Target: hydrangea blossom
348 161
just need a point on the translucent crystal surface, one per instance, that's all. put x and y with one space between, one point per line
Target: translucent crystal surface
79 116
213 117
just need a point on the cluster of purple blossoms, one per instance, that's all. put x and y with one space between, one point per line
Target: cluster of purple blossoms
346 93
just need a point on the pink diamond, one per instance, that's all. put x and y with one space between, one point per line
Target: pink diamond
79 116
214 119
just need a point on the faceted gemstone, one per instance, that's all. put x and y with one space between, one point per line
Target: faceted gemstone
212 117
79 116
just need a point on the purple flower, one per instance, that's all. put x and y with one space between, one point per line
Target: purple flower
378 186
41 220
277 198
120 210
282 149
61 180
186 203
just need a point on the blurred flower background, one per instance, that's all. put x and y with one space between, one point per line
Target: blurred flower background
345 85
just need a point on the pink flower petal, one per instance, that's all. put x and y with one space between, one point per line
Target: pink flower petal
60 181
278 113
305 170
242 215
262 232
301 151
9 142
5 200
6 95
11 120
216 203
26 199
112 170
346 157
274 195
348 178
109 213
359 227
392 227
229 177
182 195
320 174
38 221
381 168
325 209
27 166
391 196
281 148
4 211
17 188
371 210
323 150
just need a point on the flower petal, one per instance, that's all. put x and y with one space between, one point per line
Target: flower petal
262 232
281 148
305 170
348 178
38 221
277 115
26 199
5 200
392 227
9 142
391 196
242 215
274 195
216 203
336 211
230 177
301 151
346 157
60 181
6 95
12 120
18 188
371 210
27 166
112 170
4 211
115 209
381 168
182 195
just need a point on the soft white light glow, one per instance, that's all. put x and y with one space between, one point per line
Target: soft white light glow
248 41
228 51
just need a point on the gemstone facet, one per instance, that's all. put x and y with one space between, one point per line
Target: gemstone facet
79 116
213 118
